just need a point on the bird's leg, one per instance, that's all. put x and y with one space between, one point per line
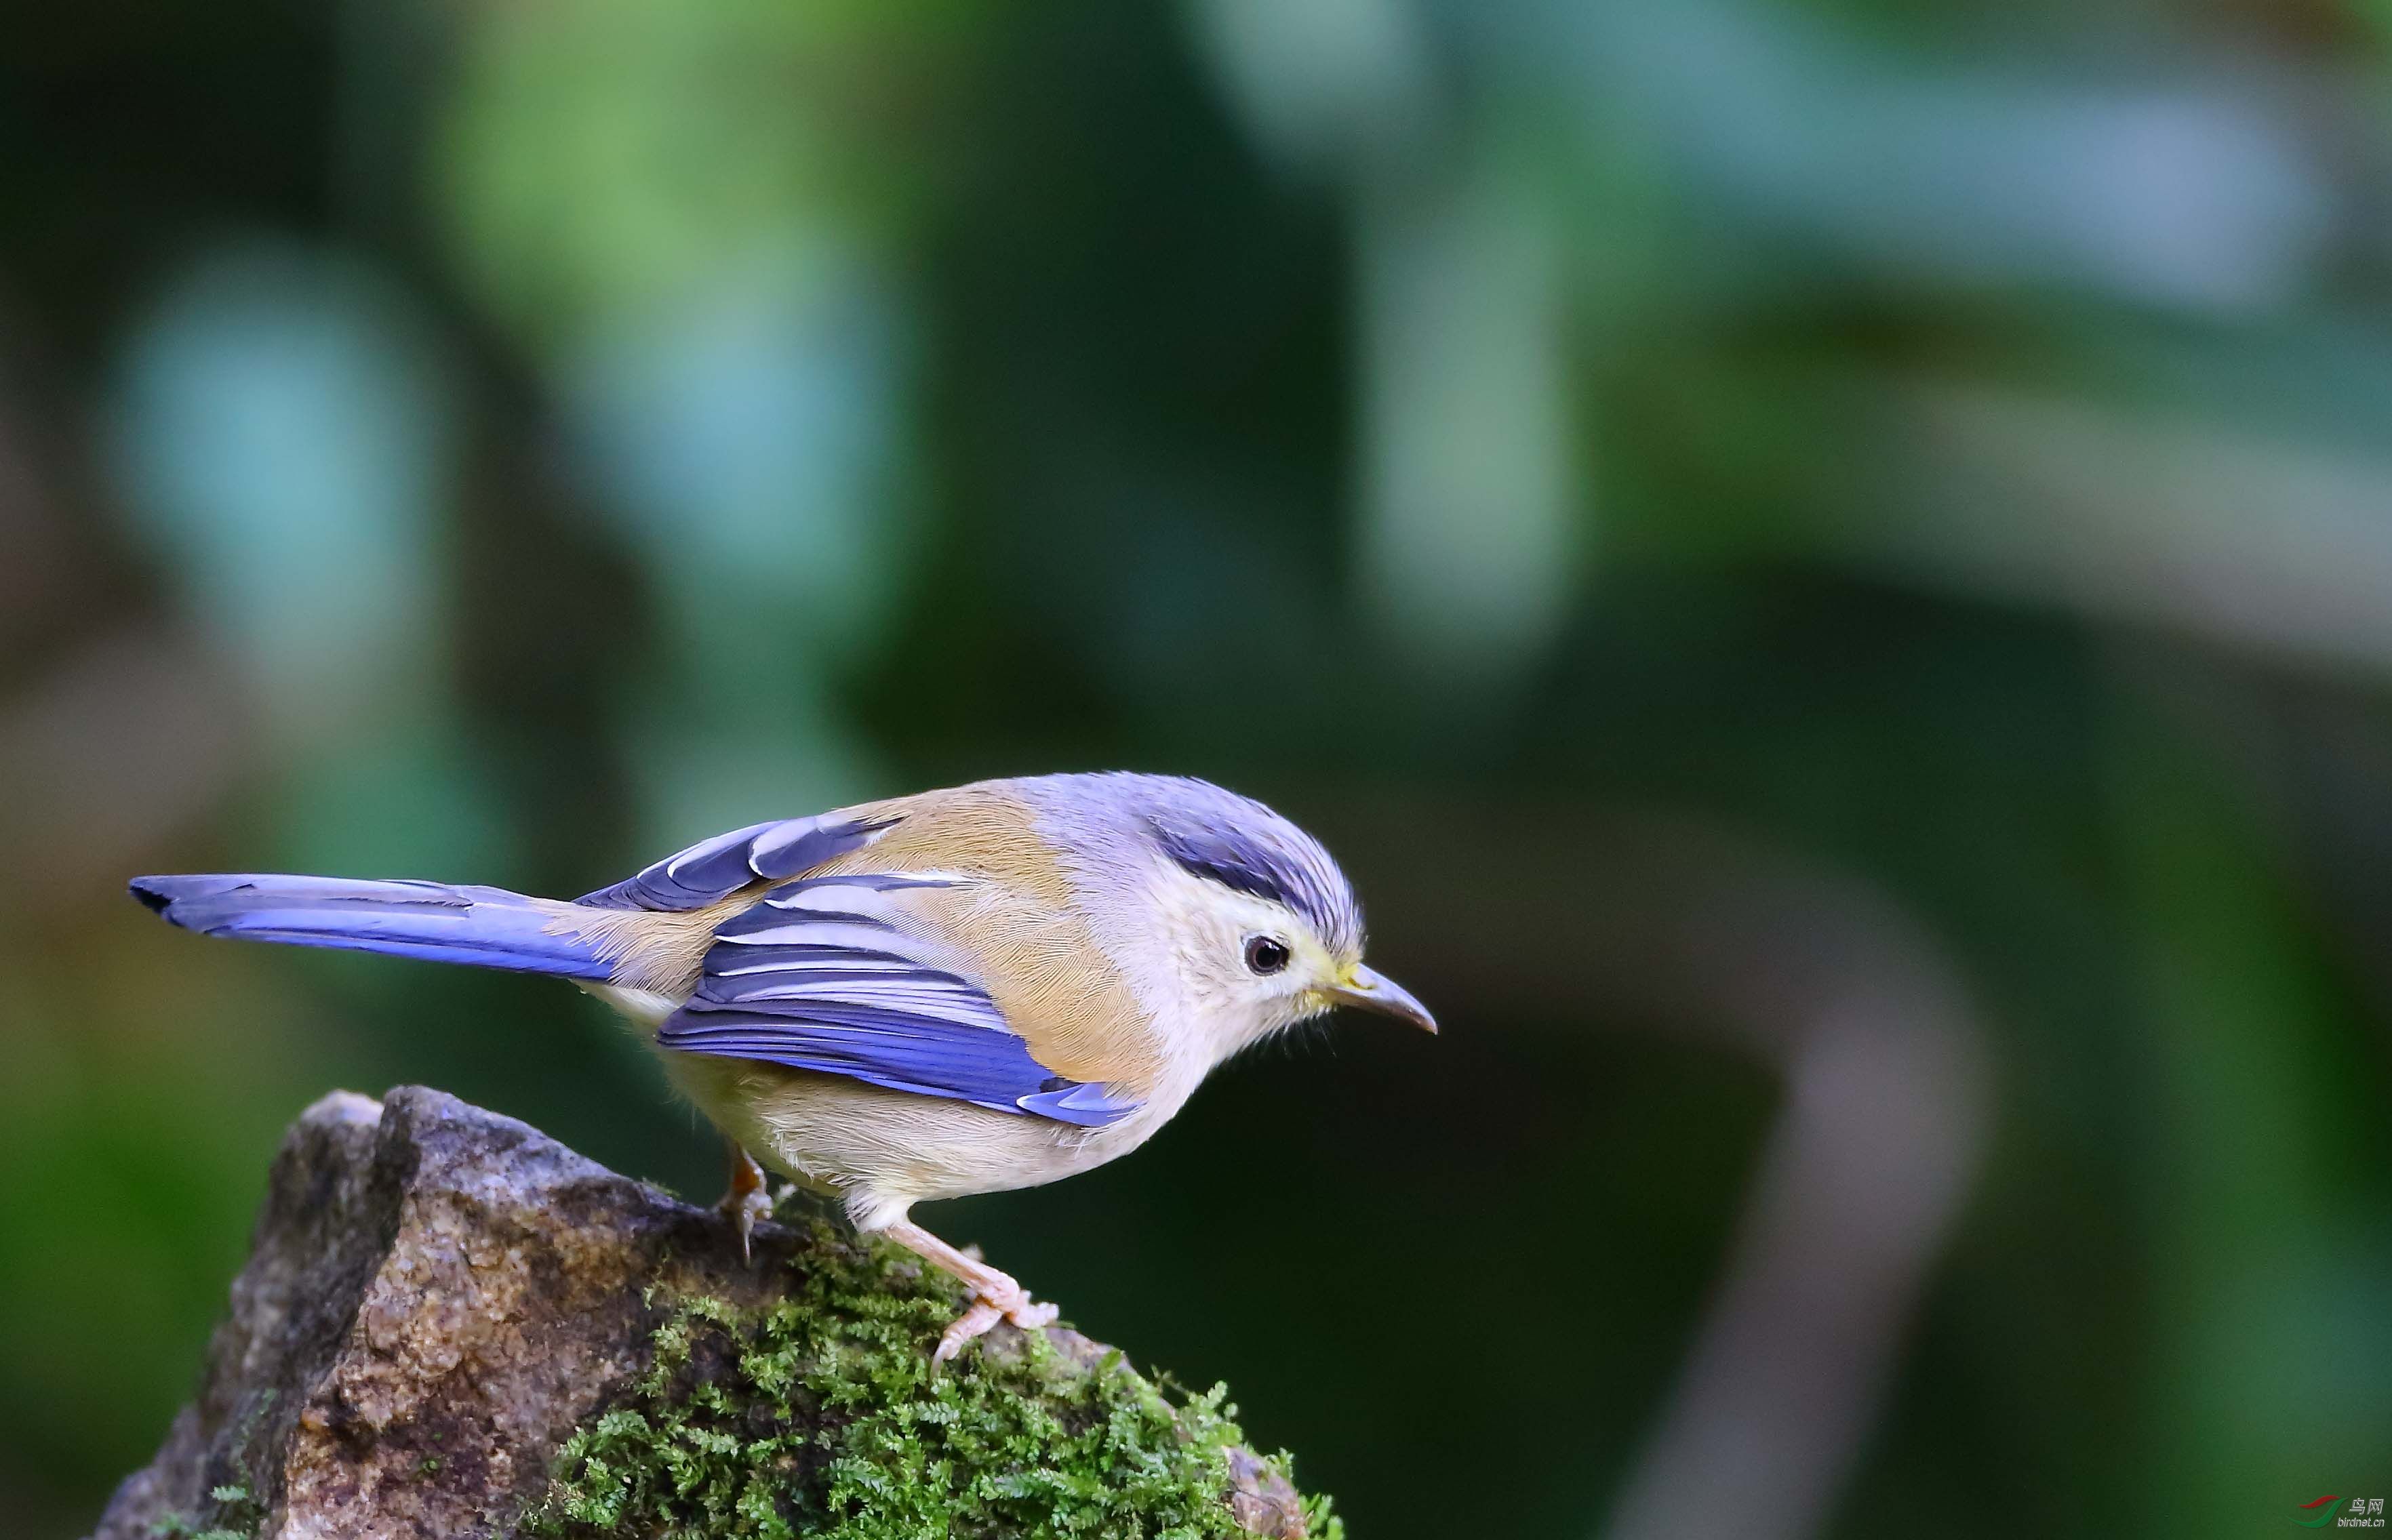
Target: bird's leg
747 1200
995 1297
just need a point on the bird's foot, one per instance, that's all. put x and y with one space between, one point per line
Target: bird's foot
747 1201
995 1297
999 1298
745 1211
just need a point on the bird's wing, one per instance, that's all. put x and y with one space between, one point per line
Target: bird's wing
713 870
824 974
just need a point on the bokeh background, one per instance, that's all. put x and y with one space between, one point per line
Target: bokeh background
1826 564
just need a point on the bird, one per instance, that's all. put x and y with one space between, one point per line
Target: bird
966 990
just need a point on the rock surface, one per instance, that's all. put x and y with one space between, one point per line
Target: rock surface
437 1299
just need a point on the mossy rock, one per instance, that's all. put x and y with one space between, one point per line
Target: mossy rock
822 1413
451 1325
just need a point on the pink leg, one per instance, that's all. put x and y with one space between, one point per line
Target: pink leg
748 1199
995 1297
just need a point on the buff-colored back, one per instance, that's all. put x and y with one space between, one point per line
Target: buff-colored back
1014 928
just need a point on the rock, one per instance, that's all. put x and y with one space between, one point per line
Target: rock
453 1326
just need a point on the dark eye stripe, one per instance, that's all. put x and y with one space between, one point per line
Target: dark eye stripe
1291 872
1242 879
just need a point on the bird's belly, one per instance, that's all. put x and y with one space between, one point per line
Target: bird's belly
644 1010
885 1150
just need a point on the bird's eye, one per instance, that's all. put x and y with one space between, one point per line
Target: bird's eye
1265 955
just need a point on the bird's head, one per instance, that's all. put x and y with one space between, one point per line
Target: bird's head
1255 924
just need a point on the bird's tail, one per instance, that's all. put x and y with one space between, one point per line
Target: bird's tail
487 927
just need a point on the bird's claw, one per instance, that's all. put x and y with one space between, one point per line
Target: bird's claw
746 1199
1032 1316
970 1324
1011 1303
745 1210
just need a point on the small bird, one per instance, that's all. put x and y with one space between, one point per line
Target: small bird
961 991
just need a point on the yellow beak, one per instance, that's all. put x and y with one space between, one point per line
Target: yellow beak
1367 990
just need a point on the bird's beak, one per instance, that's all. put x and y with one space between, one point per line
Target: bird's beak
1367 990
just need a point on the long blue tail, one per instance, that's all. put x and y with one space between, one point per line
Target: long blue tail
487 928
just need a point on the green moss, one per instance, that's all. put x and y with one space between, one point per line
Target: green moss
819 1415
232 1502
177 1526
238 1512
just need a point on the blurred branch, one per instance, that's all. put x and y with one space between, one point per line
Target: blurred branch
1883 1065
2270 546
1870 1160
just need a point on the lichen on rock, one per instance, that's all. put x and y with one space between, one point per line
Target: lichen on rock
452 1325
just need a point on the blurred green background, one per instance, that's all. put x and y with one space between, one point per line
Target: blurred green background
1825 564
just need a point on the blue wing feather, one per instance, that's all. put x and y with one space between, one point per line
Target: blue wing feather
812 977
713 869
1073 1101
